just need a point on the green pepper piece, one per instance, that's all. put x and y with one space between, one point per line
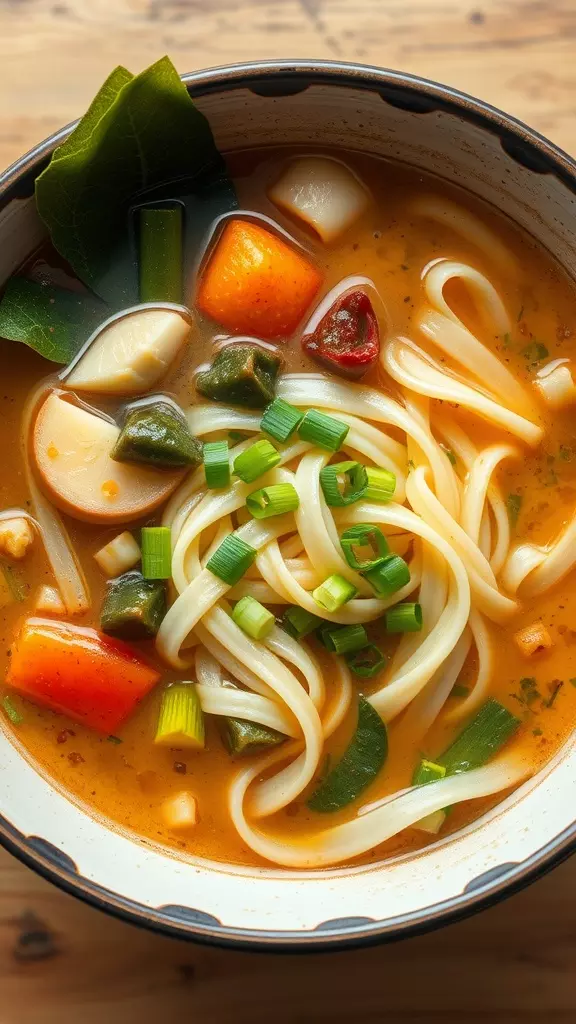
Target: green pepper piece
133 607
156 434
242 737
242 375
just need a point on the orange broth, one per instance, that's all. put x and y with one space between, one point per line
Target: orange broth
126 780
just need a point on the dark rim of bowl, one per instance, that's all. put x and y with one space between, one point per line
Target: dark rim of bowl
532 150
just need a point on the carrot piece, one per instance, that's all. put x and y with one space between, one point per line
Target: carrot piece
254 283
79 672
533 639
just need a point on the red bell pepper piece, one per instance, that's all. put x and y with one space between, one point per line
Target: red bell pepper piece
79 672
347 339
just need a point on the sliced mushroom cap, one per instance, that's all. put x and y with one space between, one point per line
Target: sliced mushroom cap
72 449
131 355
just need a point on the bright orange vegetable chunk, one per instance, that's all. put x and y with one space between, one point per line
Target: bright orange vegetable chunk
79 672
256 284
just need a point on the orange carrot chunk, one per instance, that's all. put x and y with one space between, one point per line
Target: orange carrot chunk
79 672
533 639
254 283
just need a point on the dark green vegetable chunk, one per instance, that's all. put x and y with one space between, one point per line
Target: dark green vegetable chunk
141 133
359 766
242 375
157 434
243 737
133 607
161 254
481 739
53 321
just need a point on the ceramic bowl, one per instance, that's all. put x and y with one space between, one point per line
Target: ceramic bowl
519 172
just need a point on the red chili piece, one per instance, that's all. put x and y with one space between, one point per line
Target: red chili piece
347 339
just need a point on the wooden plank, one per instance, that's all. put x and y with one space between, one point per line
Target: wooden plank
62 962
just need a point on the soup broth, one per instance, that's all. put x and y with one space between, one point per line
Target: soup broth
127 778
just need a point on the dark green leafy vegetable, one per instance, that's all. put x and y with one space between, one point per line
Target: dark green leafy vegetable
242 375
133 607
358 767
483 737
157 434
243 737
161 277
139 134
53 321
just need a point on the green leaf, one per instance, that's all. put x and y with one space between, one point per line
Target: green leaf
140 133
52 321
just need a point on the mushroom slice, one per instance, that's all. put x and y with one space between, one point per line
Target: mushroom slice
72 451
323 193
131 354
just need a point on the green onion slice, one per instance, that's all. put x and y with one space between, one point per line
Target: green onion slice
364 546
256 460
481 739
381 484
366 662
272 501
334 592
231 560
280 419
344 639
298 622
428 771
156 553
181 722
324 431
389 576
253 618
343 483
404 618
361 762
216 463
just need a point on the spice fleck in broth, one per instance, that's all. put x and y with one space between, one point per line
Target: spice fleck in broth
319 537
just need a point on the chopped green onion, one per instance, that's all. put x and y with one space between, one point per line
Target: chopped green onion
381 484
428 771
343 483
156 553
364 546
389 576
324 431
361 762
367 662
161 254
181 722
216 464
272 501
344 639
280 420
256 460
298 622
334 592
482 737
253 618
11 712
231 560
404 618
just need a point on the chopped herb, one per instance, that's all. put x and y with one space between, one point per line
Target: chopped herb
11 712
520 314
411 464
555 686
566 453
507 339
513 504
114 739
449 453
537 732
572 681
459 691
529 689
535 352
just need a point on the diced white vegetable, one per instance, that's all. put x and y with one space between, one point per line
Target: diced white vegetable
323 193
130 356
72 449
16 537
119 554
49 602
556 384
180 812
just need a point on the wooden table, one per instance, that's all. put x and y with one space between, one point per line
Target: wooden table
63 963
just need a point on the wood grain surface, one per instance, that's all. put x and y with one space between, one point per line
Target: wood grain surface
64 963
